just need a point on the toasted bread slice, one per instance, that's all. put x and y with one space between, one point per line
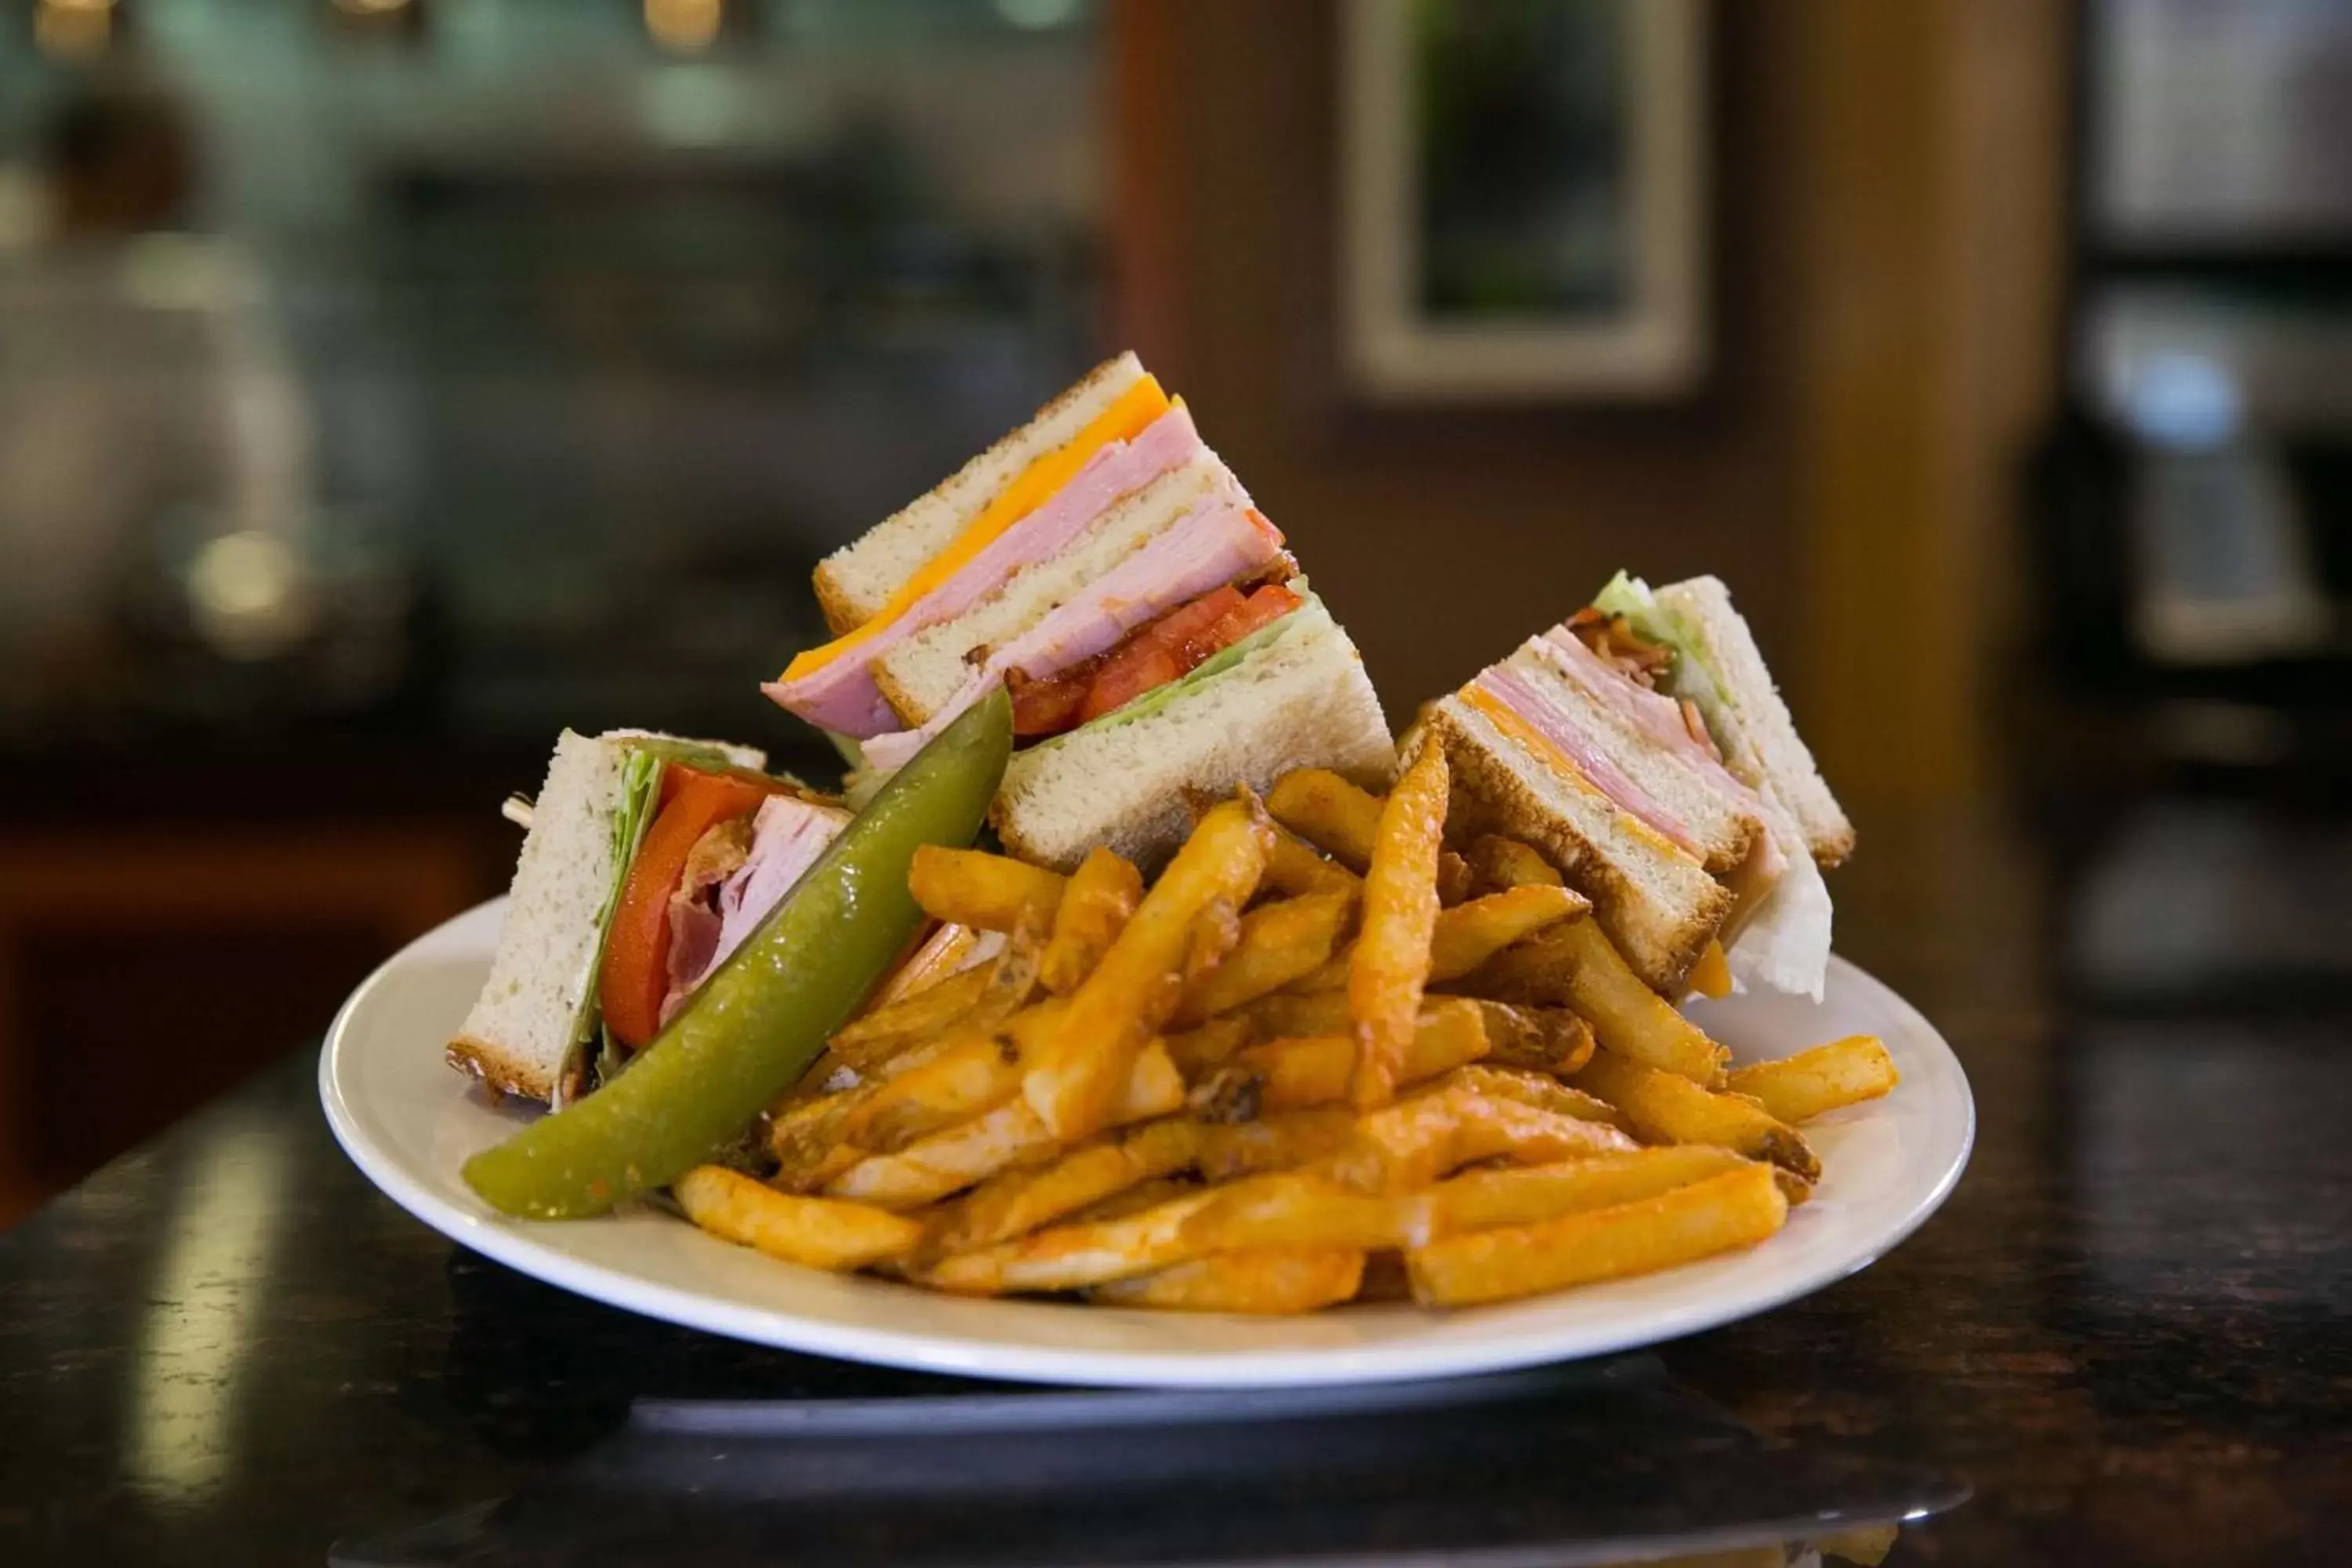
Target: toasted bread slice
857 580
1300 700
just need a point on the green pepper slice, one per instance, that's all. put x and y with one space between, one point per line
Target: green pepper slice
760 1019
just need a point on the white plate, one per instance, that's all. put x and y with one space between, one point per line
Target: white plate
409 1122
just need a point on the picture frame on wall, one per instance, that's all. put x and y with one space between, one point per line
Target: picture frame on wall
1523 200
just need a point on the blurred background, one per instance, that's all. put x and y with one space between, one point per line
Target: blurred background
386 384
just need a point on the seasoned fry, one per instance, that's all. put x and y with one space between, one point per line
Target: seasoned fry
978 1069
1811 1083
950 950
1016 1202
1074 1256
1011 1135
1216 932
1273 1281
1485 1200
1277 1142
891 1027
1547 1039
1666 1108
1529 1135
1137 983
1454 878
1390 965
1420 1138
1096 906
821 1233
1284 1012
1498 864
988 892
1467 935
1737 1208
1306 1208
1571 964
1296 867
1541 1090
1328 812
1198 1049
1286 1074
1277 943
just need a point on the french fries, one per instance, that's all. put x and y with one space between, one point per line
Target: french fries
1330 812
1737 1208
1095 905
1277 943
1140 981
1498 864
1390 966
1324 1057
1571 964
818 1232
1467 935
1272 1281
1666 1108
1825 1078
984 892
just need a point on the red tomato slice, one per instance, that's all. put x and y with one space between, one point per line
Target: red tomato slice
1263 608
1048 706
1134 671
636 975
1184 631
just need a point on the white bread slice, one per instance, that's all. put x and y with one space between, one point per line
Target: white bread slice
1725 830
924 673
1764 746
1658 905
855 581
519 1036
1300 701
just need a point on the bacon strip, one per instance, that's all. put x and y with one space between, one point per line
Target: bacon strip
842 696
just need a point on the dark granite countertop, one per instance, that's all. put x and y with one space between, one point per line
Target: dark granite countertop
2126 1339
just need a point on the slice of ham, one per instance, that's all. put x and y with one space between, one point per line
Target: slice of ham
1222 540
1654 714
1552 720
842 696
785 839
694 923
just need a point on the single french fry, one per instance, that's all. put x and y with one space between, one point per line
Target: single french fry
1276 1143
1498 864
1467 935
980 1068
1485 1200
821 1233
1216 932
1205 1047
1016 1202
1666 1107
1572 965
1011 1135
1330 812
1737 1208
1812 1083
1273 1281
912 1017
949 951
1539 1089
1294 869
1390 966
1711 976
1452 1123
988 892
1545 1039
1277 943
1075 1256
1511 1128
1306 1208
1096 906
1285 1075
1454 878
1288 1012
1073 1086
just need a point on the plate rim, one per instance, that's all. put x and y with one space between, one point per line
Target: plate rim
512 1243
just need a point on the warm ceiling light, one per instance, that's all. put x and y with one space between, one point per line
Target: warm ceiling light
684 27
73 29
